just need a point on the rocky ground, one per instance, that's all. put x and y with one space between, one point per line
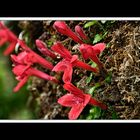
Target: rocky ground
121 59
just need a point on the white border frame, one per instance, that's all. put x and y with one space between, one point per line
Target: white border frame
69 121
70 18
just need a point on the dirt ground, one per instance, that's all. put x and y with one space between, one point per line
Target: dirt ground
121 59
124 91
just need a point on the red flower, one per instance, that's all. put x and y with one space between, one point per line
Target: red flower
63 28
7 36
80 32
77 100
29 57
43 49
68 62
23 72
92 52
24 58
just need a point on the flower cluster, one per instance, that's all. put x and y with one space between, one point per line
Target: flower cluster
24 64
6 36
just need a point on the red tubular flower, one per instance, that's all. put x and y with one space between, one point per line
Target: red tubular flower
29 58
92 52
63 28
23 72
67 68
41 46
7 36
32 57
80 32
77 100
69 61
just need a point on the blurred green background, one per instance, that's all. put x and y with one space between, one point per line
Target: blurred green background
12 105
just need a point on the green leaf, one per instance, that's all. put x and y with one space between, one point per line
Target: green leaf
89 117
90 23
89 78
49 43
95 112
97 38
104 35
114 113
91 90
108 45
93 64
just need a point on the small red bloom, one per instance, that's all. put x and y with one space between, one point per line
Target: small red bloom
68 62
63 28
66 67
23 72
23 58
7 36
29 56
77 100
41 46
80 32
92 52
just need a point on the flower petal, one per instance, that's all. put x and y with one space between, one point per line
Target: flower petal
2 41
63 28
87 98
10 48
74 59
67 76
41 46
76 111
78 108
59 48
74 90
67 100
21 84
60 66
36 58
40 74
19 69
97 103
85 66
80 32
98 48
86 51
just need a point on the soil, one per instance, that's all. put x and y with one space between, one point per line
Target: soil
121 59
124 62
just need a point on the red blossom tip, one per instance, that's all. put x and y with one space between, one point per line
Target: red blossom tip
91 52
42 75
22 73
7 36
66 67
96 103
59 48
21 84
21 58
99 48
34 57
41 46
76 103
71 88
86 50
63 28
80 32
